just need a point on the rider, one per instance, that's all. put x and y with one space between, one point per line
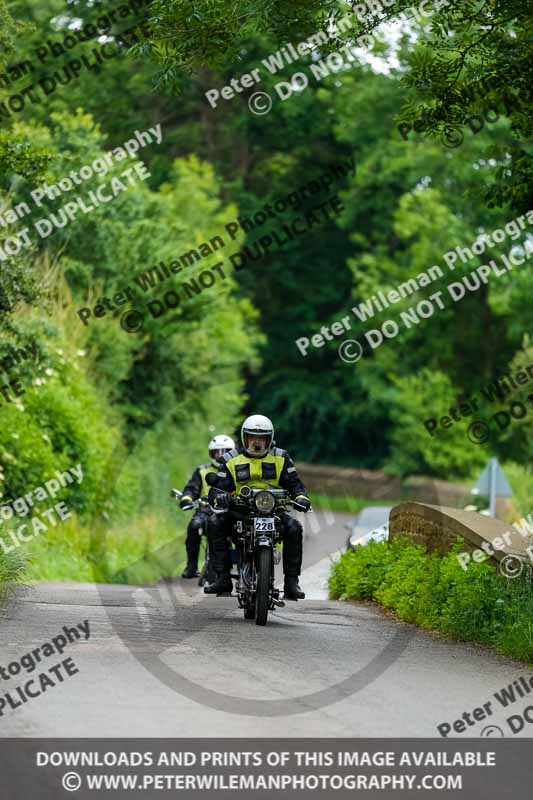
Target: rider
196 488
259 465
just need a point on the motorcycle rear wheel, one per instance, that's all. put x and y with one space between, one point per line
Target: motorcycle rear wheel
249 612
264 576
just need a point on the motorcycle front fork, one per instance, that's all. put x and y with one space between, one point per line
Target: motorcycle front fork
243 587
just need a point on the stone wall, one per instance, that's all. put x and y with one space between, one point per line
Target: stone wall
376 485
436 527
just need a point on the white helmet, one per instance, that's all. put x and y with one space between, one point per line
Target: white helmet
218 446
257 426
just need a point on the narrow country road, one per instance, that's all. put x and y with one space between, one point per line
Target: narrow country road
169 661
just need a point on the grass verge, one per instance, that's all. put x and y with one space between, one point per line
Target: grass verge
348 505
11 567
434 592
141 550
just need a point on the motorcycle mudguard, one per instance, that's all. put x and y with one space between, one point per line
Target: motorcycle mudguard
263 541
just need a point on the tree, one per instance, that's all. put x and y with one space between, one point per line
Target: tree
467 59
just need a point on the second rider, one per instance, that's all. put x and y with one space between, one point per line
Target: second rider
195 489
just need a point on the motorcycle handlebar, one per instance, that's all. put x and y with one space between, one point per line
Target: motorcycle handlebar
236 501
200 503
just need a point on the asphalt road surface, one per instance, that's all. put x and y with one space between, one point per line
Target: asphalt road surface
169 661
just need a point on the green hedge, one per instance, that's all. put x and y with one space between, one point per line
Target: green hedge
435 592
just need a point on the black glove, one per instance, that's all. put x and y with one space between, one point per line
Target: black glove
186 503
222 500
301 503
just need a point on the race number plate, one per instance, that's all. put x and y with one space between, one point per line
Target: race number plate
264 525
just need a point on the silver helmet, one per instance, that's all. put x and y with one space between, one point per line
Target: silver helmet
218 447
257 435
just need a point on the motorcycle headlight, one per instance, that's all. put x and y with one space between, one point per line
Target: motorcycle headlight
265 502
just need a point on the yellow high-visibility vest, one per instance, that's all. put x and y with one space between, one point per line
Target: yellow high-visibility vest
204 470
258 473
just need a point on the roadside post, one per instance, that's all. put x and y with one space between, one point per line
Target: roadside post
493 483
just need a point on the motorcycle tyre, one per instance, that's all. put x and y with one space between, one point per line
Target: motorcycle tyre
264 576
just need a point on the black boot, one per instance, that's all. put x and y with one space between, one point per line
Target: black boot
192 546
292 590
222 585
190 571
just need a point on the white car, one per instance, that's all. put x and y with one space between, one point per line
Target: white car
371 525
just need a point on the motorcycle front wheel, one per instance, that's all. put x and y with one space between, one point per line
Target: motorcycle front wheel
264 575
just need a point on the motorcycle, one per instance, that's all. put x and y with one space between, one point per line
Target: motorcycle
207 573
257 534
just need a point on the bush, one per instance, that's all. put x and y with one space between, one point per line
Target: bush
357 575
61 420
521 480
435 592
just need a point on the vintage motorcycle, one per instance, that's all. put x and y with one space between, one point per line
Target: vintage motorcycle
256 536
207 573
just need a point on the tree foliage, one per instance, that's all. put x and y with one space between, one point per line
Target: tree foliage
153 398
